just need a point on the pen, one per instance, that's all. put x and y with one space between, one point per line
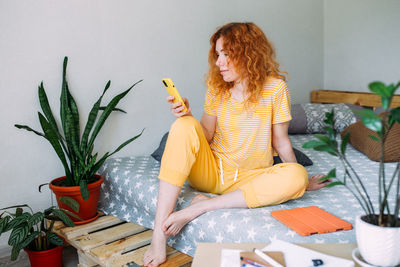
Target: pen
267 258
248 265
252 262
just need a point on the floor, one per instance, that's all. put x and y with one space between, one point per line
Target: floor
70 259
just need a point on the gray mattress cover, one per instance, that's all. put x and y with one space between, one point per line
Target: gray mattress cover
130 191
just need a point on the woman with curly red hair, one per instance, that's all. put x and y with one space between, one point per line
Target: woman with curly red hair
230 151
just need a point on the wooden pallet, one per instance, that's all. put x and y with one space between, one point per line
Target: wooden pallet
109 241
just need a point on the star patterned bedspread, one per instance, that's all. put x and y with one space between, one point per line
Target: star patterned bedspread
130 192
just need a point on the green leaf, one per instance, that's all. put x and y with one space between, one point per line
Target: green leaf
394 116
44 104
344 143
70 202
18 234
92 119
115 109
25 127
17 221
15 252
373 137
61 214
71 223
370 120
331 174
334 184
3 223
54 141
126 143
84 189
35 219
29 239
313 143
109 108
326 148
54 239
379 88
329 117
323 138
386 92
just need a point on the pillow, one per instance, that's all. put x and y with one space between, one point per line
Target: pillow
300 156
309 118
157 154
359 139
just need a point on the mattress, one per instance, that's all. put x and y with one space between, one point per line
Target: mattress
130 192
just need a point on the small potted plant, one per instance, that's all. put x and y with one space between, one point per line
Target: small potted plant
378 230
32 231
75 149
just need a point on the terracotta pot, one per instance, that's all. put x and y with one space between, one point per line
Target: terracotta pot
378 245
48 258
88 208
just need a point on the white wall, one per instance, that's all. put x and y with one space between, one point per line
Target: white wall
125 41
361 43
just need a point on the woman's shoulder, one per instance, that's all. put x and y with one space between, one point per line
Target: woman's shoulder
274 85
274 82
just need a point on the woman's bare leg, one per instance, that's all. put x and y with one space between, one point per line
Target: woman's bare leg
177 220
167 196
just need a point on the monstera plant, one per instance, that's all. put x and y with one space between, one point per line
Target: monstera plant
377 245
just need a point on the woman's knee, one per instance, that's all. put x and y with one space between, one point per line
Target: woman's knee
298 177
183 124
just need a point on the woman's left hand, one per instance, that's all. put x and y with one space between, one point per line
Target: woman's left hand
315 184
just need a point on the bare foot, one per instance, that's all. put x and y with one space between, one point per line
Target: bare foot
156 254
177 220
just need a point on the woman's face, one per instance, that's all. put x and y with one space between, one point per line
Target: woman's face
226 67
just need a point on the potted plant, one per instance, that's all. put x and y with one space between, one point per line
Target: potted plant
33 233
75 149
378 230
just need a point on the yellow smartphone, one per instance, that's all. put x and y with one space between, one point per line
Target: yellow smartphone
169 85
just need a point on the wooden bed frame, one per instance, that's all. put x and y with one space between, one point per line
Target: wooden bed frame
357 98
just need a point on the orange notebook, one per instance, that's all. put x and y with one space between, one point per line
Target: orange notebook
311 220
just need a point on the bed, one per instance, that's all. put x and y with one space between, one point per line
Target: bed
130 191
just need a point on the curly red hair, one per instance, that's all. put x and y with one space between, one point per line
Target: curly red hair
252 55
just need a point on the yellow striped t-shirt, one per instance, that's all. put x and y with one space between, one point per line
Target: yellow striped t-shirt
243 134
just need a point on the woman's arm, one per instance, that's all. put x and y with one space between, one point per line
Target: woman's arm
209 123
281 142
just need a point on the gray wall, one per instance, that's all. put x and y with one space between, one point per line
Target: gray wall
332 44
361 43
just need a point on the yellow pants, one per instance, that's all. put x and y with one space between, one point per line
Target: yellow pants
187 155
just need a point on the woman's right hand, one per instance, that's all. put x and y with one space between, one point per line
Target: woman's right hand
177 108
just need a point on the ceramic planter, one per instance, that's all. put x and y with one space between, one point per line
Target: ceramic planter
88 208
378 245
48 258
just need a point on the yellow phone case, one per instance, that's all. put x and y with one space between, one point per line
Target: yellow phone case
169 85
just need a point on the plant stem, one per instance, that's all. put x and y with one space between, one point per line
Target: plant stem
362 185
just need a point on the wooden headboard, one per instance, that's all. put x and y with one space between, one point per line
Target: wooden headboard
357 98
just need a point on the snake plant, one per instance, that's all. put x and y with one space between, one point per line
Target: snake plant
75 150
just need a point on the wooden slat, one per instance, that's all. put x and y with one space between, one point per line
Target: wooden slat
97 239
135 256
72 232
123 245
178 259
356 98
